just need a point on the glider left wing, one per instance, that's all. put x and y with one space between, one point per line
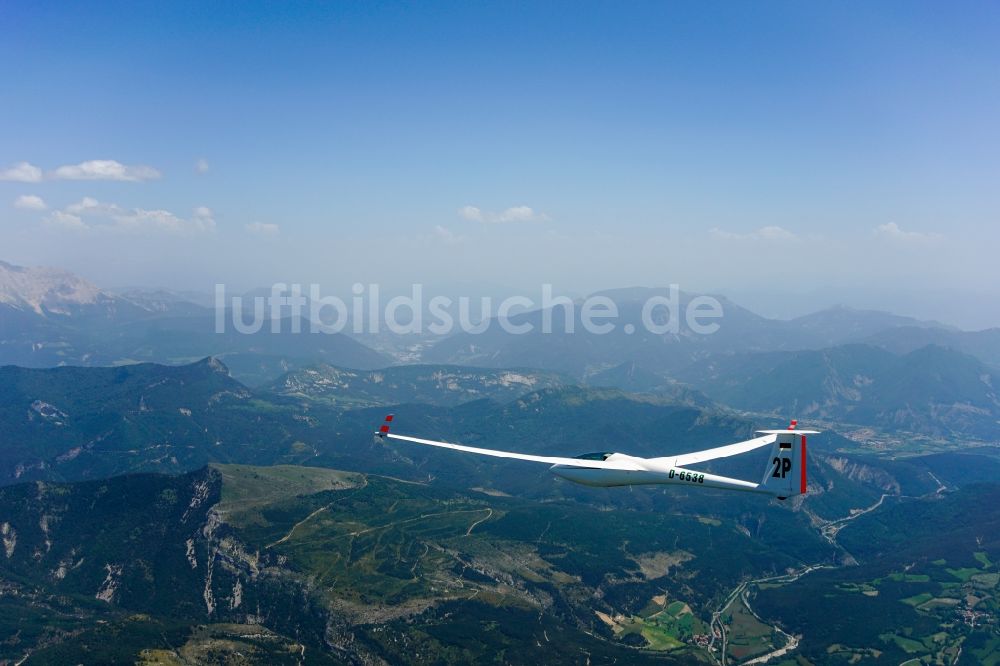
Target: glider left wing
551 460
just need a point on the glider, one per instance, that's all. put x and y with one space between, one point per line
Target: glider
784 476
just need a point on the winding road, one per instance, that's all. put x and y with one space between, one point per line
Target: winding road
829 530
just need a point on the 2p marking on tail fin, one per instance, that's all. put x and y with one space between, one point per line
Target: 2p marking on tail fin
787 462
786 469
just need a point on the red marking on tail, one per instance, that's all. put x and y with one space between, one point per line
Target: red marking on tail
802 463
791 426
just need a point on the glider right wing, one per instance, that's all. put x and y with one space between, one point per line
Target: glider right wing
723 451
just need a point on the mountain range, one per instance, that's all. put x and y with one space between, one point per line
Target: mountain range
576 352
932 390
50 317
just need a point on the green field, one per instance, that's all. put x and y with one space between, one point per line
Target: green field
748 636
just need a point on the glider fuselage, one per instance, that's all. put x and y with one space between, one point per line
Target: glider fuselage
655 471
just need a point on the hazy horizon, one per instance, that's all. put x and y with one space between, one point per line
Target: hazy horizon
950 309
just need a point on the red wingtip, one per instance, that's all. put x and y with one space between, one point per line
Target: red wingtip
791 426
385 426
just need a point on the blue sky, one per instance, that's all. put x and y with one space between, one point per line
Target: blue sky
827 151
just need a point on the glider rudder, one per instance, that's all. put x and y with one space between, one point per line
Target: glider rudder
785 474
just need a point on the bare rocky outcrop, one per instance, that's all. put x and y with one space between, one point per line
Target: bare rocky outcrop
9 535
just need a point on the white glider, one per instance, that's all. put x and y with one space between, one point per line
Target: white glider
784 477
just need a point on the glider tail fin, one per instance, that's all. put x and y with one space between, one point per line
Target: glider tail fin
785 475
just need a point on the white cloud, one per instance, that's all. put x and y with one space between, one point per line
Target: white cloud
447 236
470 213
113 218
203 219
30 202
512 214
22 172
201 166
263 230
140 219
59 218
91 206
521 214
892 232
104 170
770 233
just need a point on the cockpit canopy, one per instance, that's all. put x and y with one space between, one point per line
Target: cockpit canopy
594 456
